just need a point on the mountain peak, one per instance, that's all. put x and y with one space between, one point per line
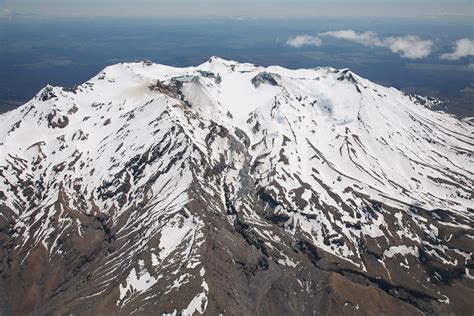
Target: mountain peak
152 188
216 59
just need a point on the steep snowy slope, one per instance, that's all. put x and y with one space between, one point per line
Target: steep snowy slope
233 188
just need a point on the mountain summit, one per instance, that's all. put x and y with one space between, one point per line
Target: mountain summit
235 189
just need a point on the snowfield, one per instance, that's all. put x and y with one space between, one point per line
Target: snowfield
134 178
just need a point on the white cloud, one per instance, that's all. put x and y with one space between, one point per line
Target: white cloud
303 40
408 46
464 47
365 38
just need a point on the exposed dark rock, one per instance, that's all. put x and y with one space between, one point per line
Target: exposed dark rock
47 94
57 120
264 78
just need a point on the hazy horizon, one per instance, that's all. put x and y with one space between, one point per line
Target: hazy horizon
222 8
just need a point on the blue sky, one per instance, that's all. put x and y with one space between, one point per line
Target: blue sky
265 8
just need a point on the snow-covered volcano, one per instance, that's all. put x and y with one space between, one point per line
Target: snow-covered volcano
236 189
